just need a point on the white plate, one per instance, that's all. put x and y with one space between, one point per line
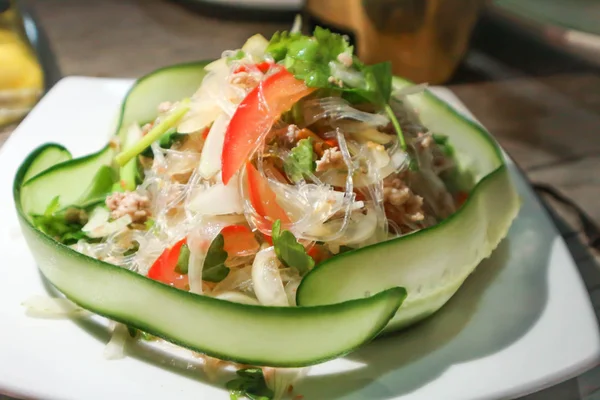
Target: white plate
522 322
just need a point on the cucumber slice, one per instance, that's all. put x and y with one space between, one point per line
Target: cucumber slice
433 263
77 182
100 186
274 336
45 157
171 83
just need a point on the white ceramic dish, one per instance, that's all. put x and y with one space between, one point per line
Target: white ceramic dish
522 322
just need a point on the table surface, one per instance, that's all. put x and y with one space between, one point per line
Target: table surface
549 124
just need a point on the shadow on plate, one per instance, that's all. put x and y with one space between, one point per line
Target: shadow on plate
189 367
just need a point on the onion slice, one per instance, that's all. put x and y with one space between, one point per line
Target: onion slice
52 307
115 348
210 160
218 199
268 286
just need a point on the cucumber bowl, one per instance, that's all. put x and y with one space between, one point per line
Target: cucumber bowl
499 307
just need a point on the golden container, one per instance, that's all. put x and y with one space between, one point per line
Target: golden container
424 39
21 77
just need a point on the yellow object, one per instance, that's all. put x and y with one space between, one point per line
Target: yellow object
21 76
424 39
18 67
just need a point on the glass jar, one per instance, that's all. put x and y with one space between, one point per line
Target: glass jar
424 39
21 76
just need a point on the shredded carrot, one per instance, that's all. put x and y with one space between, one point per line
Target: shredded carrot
332 143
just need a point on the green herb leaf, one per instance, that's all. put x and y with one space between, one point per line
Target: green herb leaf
251 384
413 164
57 227
278 45
291 253
237 56
63 226
183 259
300 161
378 80
444 144
307 57
214 269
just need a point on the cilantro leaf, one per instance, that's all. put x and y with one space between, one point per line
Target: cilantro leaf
444 144
64 226
291 253
307 57
378 78
334 42
59 228
251 384
300 161
214 269
278 45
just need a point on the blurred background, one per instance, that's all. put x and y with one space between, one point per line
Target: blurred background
435 41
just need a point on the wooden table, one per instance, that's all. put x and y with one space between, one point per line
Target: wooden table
550 125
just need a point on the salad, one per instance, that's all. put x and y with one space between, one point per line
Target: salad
285 190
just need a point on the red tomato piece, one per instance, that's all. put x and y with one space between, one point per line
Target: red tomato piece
262 67
163 269
239 240
262 197
255 116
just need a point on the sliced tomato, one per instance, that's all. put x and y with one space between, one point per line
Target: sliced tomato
262 197
318 253
262 67
332 142
255 116
239 240
268 239
163 269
